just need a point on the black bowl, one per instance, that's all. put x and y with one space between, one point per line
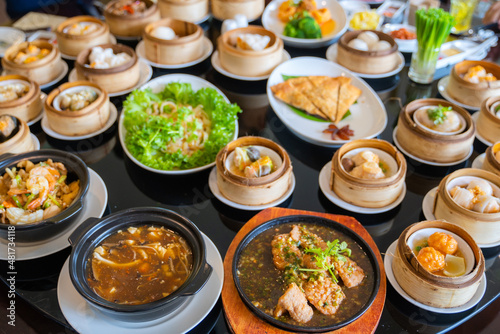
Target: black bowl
91 232
314 220
48 228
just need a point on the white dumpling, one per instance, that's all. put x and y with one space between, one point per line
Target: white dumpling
369 37
463 197
381 46
487 204
165 33
451 123
358 44
368 170
365 156
482 187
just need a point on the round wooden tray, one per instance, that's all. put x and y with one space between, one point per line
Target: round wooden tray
242 320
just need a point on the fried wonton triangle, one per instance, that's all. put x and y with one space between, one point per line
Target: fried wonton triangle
326 90
348 94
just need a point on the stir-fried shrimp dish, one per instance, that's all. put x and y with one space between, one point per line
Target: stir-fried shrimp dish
32 192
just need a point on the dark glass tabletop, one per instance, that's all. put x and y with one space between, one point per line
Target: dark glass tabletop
131 186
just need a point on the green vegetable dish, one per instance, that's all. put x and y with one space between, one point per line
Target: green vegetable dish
303 25
178 128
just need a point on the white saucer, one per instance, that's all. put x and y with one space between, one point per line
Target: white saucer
145 75
442 85
64 71
85 319
218 67
431 163
324 184
389 255
93 206
331 55
427 208
478 162
36 142
478 136
207 51
113 114
112 40
212 183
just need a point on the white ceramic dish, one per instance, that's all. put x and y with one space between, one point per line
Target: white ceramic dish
207 51
478 162
427 208
271 22
442 85
9 37
324 185
468 50
212 183
388 258
36 142
478 136
94 206
112 40
404 45
113 114
368 116
86 320
146 72
331 55
431 163
218 67
156 86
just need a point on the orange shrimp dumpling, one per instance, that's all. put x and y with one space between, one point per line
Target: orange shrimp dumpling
431 259
443 242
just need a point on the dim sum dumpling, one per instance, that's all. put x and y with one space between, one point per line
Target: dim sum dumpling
368 170
462 197
365 156
487 204
481 187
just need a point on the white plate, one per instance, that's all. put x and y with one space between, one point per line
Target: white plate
427 209
112 40
404 45
478 162
207 51
271 22
113 114
36 142
9 37
212 183
368 117
43 96
145 74
324 185
388 258
85 319
478 136
431 163
331 55
94 206
218 67
64 71
157 85
442 85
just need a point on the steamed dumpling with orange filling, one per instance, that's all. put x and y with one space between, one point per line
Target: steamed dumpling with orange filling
443 242
477 74
480 187
462 197
431 259
486 204
369 170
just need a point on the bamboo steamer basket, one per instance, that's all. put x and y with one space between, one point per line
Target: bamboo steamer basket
483 227
131 25
488 124
473 94
363 192
19 143
27 107
253 191
368 62
227 9
430 289
81 122
72 45
248 62
42 71
491 163
114 79
186 48
429 145
184 10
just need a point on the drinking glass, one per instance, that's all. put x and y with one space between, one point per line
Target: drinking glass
462 11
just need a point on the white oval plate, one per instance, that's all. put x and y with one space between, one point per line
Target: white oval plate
478 136
431 163
146 72
208 47
404 45
478 162
368 117
86 320
331 55
218 67
212 183
94 205
388 258
427 209
442 85
112 40
271 22
9 37
324 184
157 85
113 114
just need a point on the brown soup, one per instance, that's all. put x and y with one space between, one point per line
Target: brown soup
139 265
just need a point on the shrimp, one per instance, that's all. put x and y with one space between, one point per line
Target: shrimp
41 181
20 216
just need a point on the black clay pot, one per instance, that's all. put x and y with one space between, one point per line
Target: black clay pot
48 228
91 232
